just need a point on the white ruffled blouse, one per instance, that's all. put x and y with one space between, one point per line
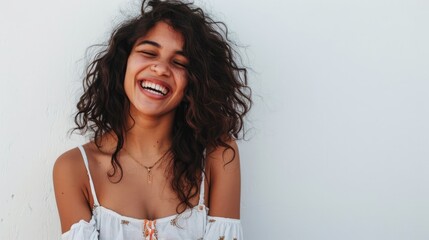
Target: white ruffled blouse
193 224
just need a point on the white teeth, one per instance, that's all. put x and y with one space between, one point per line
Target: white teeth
155 92
154 88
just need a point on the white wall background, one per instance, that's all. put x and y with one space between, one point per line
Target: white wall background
339 138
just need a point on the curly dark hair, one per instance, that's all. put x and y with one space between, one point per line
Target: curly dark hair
216 100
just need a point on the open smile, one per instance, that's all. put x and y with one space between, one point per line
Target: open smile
154 88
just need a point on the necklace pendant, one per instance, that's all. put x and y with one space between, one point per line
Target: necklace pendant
149 177
149 174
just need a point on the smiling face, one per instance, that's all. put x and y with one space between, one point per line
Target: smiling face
156 76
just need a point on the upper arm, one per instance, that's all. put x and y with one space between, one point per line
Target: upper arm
69 184
224 181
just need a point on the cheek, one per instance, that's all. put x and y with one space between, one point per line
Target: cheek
136 62
183 79
134 65
180 78
128 80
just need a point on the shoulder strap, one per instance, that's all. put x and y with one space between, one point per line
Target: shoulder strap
203 175
201 201
91 183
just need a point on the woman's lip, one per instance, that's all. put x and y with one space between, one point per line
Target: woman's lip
156 81
151 94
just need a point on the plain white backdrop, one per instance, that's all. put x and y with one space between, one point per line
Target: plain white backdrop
339 134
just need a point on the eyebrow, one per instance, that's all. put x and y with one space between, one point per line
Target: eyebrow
155 44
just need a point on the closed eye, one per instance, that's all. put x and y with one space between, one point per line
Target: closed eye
184 65
150 54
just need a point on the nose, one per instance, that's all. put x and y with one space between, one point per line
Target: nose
161 69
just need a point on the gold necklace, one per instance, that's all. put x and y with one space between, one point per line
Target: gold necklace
148 168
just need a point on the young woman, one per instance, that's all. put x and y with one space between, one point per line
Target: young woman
164 104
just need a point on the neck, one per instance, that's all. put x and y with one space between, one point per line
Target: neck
149 136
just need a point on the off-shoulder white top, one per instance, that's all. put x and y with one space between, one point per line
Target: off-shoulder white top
193 224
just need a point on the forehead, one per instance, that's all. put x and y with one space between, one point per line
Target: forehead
165 35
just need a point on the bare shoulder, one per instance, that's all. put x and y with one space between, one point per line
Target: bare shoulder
223 160
69 164
70 177
223 169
